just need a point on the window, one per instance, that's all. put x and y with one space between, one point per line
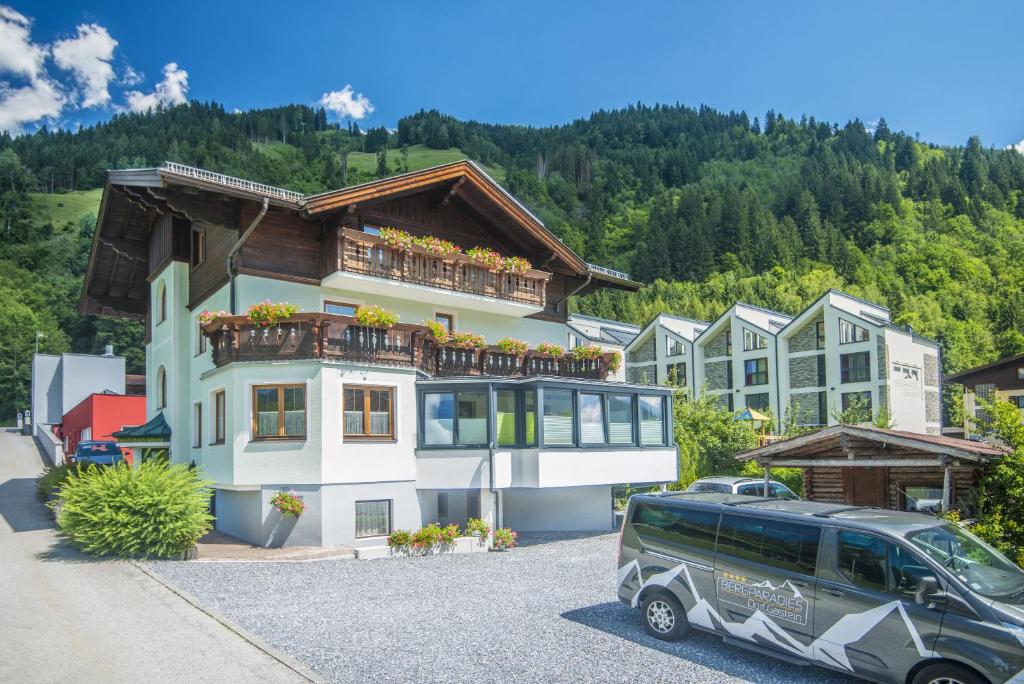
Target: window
751 340
726 401
506 414
677 373
162 310
1017 400
728 374
373 518
862 560
850 398
788 546
676 525
822 408
438 419
755 371
197 424
775 491
573 341
279 411
370 229
161 384
198 246
218 417
201 339
620 419
819 329
447 321
451 418
855 367
672 346
86 434
530 406
758 402
922 497
848 332
368 412
652 420
442 504
728 343
1020 374
591 419
822 379
558 417
340 308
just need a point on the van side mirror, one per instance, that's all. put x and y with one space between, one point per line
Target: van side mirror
928 592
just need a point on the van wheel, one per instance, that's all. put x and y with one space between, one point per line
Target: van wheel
947 673
664 618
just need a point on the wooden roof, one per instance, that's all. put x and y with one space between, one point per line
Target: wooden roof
851 445
463 182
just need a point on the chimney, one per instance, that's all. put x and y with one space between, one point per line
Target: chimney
108 350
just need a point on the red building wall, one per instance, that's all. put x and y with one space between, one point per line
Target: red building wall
105 414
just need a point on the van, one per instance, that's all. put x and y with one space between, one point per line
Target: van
884 595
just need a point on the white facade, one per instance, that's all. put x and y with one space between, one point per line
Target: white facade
527 489
663 352
61 382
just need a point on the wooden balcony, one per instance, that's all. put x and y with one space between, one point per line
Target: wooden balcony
365 254
339 338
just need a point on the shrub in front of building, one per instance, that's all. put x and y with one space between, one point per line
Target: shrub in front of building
154 510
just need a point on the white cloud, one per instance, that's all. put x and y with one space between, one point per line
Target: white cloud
18 54
88 56
41 99
1019 147
346 103
130 76
173 90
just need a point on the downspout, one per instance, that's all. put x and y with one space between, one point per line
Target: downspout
233 252
586 282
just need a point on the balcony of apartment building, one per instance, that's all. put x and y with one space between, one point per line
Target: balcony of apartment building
362 261
339 338
541 433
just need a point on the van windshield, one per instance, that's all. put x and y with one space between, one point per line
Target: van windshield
971 560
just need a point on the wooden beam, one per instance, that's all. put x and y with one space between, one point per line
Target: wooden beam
196 208
103 305
847 463
451 192
113 270
128 248
141 197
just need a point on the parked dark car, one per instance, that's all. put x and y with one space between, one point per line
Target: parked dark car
99 453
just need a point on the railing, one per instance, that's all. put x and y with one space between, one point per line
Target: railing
231 181
340 338
360 252
621 275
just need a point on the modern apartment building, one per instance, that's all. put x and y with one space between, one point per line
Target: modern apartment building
839 351
377 426
736 358
663 352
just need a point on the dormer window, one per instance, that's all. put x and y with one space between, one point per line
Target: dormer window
849 333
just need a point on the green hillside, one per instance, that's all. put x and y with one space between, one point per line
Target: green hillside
419 157
63 209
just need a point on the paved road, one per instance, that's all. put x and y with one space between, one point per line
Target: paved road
67 617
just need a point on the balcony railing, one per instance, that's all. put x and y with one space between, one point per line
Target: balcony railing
360 252
340 338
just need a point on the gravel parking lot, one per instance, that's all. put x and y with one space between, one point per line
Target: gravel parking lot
546 611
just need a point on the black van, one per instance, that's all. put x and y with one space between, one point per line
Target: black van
884 595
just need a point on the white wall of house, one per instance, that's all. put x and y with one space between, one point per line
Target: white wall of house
61 381
171 348
648 359
585 509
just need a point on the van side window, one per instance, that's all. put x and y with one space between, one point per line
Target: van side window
862 560
787 546
676 525
906 570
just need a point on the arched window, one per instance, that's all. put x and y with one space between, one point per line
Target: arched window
161 388
162 312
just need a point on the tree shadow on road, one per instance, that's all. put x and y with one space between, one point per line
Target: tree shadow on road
704 649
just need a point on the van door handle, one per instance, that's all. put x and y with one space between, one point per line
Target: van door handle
798 583
832 591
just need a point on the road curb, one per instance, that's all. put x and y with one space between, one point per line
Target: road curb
280 656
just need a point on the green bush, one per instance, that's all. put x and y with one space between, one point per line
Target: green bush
155 509
52 478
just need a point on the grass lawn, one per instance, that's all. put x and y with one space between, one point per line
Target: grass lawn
63 208
420 157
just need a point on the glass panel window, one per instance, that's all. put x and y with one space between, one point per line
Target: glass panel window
198 247
751 340
679 527
672 346
848 332
373 518
652 420
822 381
922 497
505 412
755 371
446 321
758 402
530 406
863 399
438 418
279 411
558 417
591 419
197 430
855 367
677 374
787 546
368 412
820 330
862 560
620 419
472 427
340 308
218 417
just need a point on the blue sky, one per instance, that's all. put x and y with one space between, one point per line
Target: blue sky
942 69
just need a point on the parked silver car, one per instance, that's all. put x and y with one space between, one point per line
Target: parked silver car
748 486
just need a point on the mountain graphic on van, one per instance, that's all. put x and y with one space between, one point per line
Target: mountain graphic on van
785 586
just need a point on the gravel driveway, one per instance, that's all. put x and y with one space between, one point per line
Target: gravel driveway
544 612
